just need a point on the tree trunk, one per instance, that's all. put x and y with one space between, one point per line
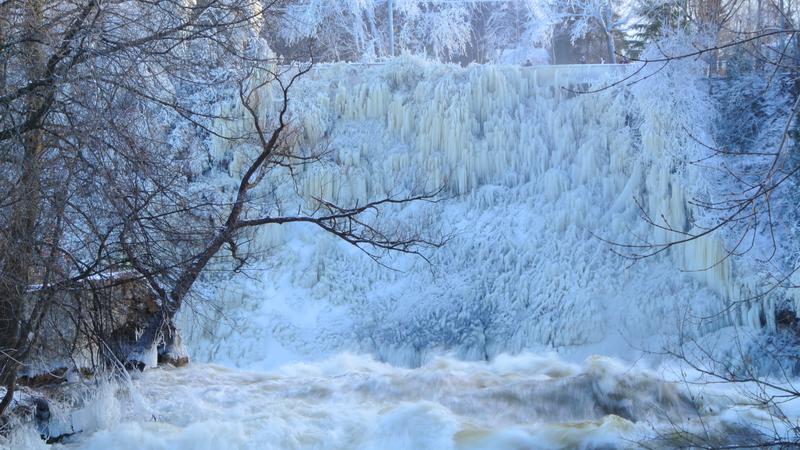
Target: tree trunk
612 48
390 12
19 246
377 42
608 28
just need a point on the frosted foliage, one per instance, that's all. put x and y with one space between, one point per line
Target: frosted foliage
305 17
531 173
443 28
518 33
356 29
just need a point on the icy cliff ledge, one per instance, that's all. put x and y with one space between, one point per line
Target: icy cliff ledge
533 173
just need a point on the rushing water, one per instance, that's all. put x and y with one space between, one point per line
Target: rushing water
353 402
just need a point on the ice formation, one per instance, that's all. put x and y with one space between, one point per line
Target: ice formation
533 173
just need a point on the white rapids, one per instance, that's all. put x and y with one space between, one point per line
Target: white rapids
353 402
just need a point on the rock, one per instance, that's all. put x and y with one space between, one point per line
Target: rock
41 415
172 351
34 380
29 407
100 323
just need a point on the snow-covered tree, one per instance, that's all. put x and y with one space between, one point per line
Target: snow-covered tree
512 31
343 29
360 30
654 18
584 17
438 29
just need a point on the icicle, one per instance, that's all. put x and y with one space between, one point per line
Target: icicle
529 165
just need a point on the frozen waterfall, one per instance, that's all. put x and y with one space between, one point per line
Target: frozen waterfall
533 173
489 346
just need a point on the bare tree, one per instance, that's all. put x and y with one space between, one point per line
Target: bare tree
105 109
753 212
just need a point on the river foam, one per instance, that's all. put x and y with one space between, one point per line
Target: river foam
354 402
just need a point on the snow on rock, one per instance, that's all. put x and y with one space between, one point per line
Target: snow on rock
76 340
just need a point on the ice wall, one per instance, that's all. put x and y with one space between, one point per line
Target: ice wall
533 174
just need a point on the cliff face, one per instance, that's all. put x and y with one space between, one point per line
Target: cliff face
99 323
